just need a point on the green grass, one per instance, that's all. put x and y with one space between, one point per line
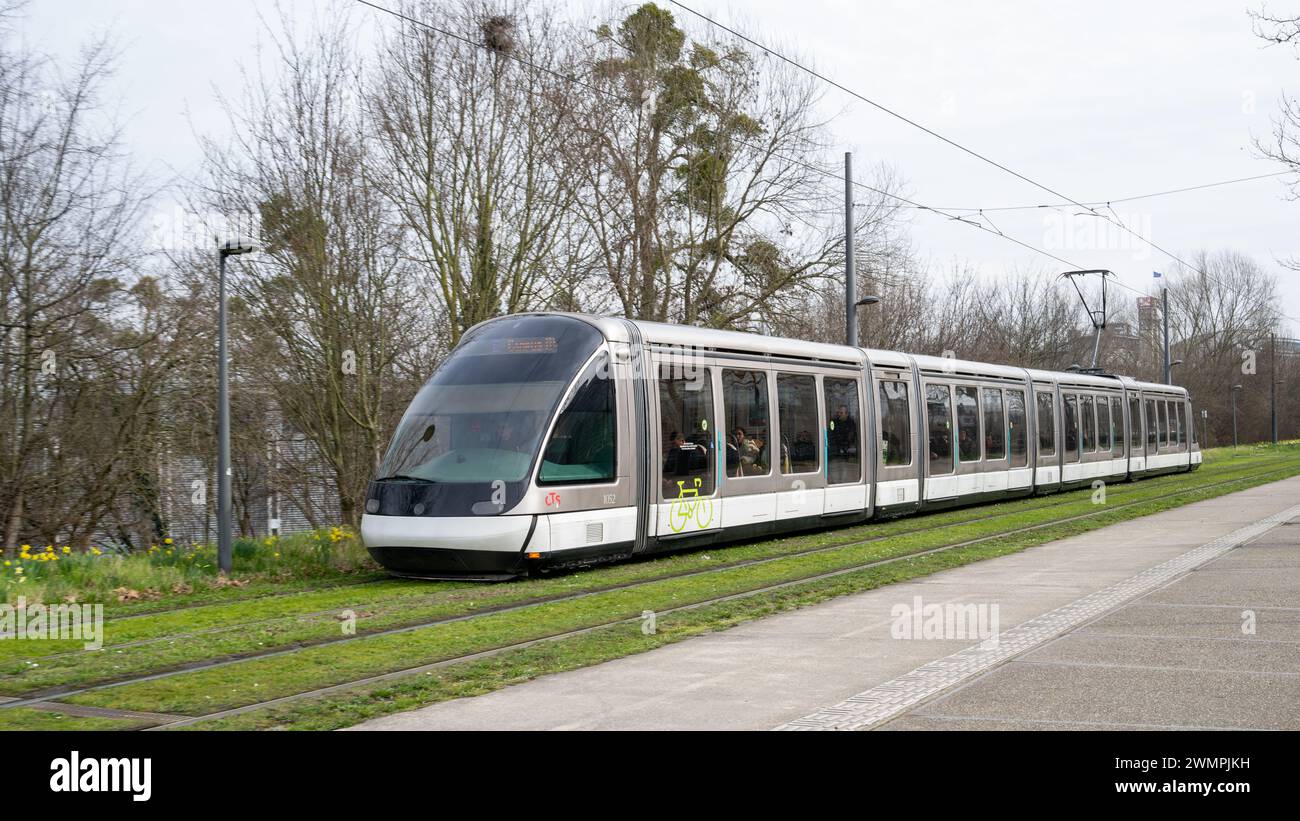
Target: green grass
168 640
28 718
516 666
221 628
248 682
181 574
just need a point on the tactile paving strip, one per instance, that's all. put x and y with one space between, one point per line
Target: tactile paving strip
887 700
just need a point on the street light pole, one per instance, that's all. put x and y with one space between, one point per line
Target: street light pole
1272 383
224 500
1235 389
1164 316
866 300
850 270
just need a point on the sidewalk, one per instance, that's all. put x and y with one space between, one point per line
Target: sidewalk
1180 657
1129 667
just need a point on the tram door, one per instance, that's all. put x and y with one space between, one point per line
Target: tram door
687 445
897 484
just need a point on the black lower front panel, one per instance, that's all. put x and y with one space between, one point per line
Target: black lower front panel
432 562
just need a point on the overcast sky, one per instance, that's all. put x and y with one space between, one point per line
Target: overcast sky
1099 101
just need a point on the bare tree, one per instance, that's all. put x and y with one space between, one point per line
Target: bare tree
1283 145
469 136
1223 310
327 309
69 207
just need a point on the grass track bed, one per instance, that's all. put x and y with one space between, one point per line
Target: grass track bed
516 666
399 604
170 638
176 638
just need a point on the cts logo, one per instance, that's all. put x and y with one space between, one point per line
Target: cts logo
75 774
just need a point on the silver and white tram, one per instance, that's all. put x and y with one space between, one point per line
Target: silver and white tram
549 439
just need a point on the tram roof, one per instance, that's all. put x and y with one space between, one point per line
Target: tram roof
714 339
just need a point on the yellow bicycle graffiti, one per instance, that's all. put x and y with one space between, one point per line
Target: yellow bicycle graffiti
689 506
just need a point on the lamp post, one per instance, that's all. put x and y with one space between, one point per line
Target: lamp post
229 248
1169 379
1235 389
850 272
1164 320
866 300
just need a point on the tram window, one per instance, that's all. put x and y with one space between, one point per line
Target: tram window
1103 424
1089 417
1046 425
1151 425
968 425
744 395
1182 425
686 431
939 421
995 425
895 425
1071 403
1191 419
843 458
1162 408
1018 432
1117 425
582 445
796 406
1135 425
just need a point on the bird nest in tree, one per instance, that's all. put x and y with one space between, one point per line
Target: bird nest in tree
499 33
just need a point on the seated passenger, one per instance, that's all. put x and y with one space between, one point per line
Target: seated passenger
844 435
735 445
674 463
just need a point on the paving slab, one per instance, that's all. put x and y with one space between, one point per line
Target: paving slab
1228 654
1216 648
1236 587
765 673
964 724
1274 624
1151 696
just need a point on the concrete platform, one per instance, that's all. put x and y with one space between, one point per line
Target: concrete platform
1173 656
1218 648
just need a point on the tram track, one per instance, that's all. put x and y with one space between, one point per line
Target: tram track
1047 503
757 591
48 698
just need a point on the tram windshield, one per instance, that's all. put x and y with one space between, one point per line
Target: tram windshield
481 417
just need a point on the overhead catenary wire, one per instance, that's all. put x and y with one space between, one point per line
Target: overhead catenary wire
802 163
1118 200
948 213
856 95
